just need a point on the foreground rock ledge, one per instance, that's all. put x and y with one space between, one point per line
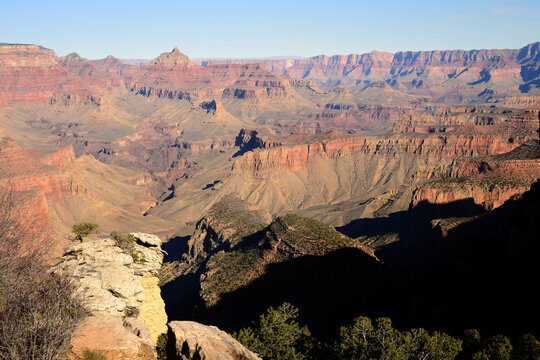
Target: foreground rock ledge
122 295
192 340
114 337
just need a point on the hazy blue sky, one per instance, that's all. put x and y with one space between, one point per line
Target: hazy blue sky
144 29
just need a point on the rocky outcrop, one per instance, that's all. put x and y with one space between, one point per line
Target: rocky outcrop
63 158
114 65
259 91
117 279
489 182
490 197
173 58
113 337
194 341
248 140
232 246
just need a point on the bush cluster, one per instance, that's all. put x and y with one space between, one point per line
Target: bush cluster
277 335
127 244
84 229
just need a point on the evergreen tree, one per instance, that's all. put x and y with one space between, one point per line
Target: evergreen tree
277 335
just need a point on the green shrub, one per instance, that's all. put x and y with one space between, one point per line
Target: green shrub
84 229
527 348
277 335
88 354
161 346
364 339
127 244
497 347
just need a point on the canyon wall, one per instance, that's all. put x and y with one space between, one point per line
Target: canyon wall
453 75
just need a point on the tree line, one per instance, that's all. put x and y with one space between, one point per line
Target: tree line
276 334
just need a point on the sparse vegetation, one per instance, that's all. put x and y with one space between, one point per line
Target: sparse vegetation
161 346
89 354
39 311
84 229
294 236
364 339
127 244
277 335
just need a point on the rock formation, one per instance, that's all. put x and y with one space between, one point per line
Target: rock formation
117 280
232 246
233 149
31 73
196 341
173 58
456 76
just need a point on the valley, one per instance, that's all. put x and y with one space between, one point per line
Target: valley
381 184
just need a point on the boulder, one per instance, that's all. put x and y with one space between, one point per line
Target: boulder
196 341
114 338
147 239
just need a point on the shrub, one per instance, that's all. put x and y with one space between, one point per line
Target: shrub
127 244
84 229
161 346
88 354
39 311
365 340
527 348
277 335
497 347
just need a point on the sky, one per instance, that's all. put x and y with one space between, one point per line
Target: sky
249 29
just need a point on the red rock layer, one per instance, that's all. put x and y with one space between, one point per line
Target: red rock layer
191 83
64 158
21 172
457 144
488 190
31 73
424 72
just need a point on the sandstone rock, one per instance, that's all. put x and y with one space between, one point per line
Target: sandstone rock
114 286
196 341
147 239
113 338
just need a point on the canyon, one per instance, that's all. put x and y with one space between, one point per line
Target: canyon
249 169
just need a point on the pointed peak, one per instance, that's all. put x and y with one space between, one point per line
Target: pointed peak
173 58
72 58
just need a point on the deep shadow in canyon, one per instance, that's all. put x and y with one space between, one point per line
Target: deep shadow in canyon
479 274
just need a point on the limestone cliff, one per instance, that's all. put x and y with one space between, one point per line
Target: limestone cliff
117 280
